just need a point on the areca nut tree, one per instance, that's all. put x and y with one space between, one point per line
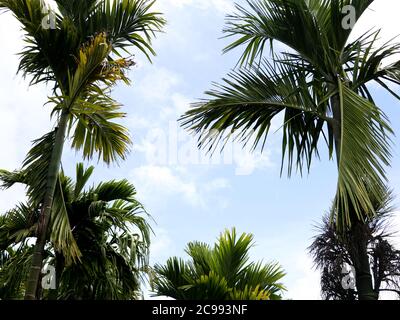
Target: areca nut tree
80 55
221 272
320 87
110 230
336 256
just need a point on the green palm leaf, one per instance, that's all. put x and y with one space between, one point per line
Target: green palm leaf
219 273
364 151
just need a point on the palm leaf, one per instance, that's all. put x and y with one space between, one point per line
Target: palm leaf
364 151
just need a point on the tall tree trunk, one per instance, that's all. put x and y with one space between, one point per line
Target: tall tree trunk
360 257
52 176
358 235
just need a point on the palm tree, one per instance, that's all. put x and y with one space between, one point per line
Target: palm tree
219 273
319 86
110 232
77 55
334 254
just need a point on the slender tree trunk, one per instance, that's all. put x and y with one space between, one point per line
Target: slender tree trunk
52 176
337 126
360 257
358 235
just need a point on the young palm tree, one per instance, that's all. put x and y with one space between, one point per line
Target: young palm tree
334 254
320 87
108 228
76 54
219 273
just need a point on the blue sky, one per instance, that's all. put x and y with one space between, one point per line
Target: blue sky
190 196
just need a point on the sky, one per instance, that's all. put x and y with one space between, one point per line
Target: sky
190 195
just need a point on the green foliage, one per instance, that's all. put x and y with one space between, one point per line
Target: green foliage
99 240
219 273
333 251
319 87
77 56
51 53
76 53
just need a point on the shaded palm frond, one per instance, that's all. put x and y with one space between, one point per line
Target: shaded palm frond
364 152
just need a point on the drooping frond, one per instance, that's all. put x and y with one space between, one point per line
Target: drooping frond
61 234
115 190
35 167
245 106
364 152
332 248
95 132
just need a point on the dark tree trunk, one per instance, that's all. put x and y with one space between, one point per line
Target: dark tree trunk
33 280
359 254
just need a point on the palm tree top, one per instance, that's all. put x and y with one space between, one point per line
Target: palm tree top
96 231
321 89
51 53
220 272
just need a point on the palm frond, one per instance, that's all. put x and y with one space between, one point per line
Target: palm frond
246 104
364 151
10 178
13 272
219 273
35 167
307 26
127 23
18 225
366 61
82 177
95 132
61 234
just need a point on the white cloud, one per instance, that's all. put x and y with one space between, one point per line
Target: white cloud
395 226
157 84
162 181
381 15
181 102
159 183
162 246
248 162
23 117
306 286
217 184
